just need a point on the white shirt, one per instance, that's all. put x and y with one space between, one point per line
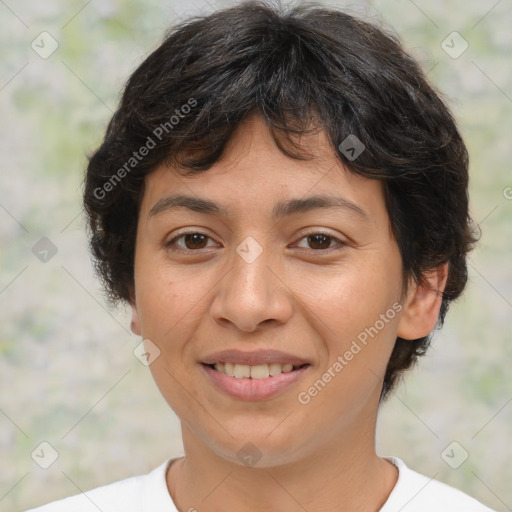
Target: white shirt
413 492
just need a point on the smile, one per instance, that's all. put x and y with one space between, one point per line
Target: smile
258 382
260 371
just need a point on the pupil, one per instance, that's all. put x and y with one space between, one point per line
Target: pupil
196 238
316 238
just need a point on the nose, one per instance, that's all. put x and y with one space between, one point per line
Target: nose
253 293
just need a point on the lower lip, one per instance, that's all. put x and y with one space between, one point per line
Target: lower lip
254 389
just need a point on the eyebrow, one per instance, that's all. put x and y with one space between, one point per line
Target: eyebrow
280 210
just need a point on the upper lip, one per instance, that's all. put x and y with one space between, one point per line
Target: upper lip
266 356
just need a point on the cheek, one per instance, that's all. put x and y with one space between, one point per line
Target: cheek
166 310
163 294
348 301
356 314
357 324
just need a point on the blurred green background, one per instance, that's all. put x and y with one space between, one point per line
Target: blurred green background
68 375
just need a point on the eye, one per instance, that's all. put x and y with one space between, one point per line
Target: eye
321 242
192 240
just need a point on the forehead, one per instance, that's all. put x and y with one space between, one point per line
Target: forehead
254 175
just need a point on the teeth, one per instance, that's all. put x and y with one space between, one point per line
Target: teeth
275 369
242 370
260 371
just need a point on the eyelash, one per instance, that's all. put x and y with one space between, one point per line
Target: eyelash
168 245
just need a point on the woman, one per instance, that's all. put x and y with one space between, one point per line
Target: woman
281 198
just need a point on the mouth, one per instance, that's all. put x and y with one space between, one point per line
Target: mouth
260 371
253 382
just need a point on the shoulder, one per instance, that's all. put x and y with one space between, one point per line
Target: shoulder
415 492
123 494
129 495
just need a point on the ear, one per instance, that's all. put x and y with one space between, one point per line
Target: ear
135 323
422 304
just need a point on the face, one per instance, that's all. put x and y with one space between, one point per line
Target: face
321 286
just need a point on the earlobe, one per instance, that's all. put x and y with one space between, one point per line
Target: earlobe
422 304
135 323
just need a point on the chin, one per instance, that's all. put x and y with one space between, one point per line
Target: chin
257 448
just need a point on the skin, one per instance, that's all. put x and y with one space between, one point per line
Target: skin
315 456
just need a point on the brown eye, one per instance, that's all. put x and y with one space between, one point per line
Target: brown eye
190 241
321 243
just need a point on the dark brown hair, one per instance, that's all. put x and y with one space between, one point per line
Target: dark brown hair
299 68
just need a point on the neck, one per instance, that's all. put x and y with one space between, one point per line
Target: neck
342 474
